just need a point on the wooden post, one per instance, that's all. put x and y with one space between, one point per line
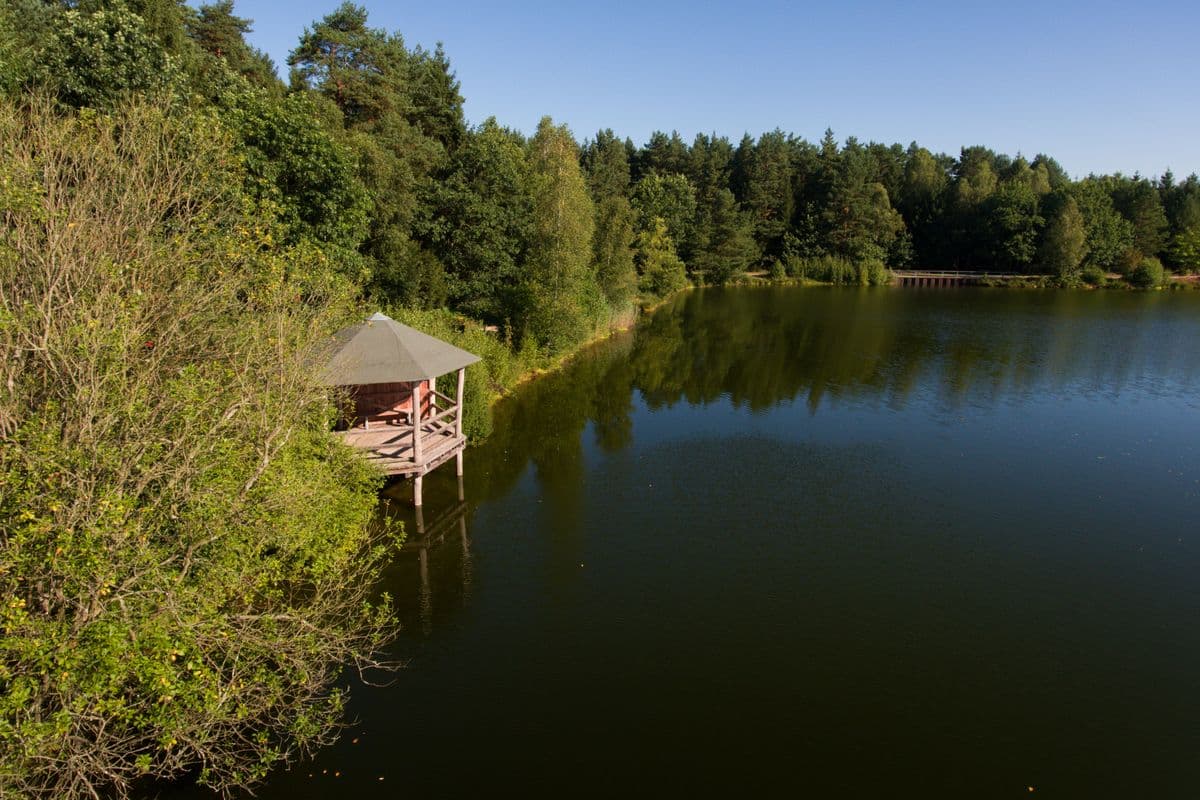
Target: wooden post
416 416
458 411
417 480
458 458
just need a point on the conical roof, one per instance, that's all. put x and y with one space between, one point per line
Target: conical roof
382 350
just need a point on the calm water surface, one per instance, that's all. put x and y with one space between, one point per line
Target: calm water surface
813 542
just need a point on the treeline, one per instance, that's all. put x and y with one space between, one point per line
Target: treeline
366 152
908 207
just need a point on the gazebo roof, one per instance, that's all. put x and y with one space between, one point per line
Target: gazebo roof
382 350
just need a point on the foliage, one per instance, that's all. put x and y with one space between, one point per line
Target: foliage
670 198
559 283
361 69
1065 243
663 155
613 252
1093 276
858 218
402 113
1015 224
730 246
606 165
1185 250
764 177
837 270
221 36
482 220
1108 233
183 561
298 167
1148 274
659 269
95 58
25 27
1138 201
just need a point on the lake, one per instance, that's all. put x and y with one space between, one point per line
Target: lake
812 541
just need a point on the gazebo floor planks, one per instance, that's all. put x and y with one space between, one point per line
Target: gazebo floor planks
391 448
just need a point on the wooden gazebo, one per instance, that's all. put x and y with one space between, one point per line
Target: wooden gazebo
394 412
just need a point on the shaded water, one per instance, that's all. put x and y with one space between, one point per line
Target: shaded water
831 541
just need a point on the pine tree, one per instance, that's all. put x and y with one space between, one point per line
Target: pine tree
221 35
1138 201
606 164
731 248
766 178
363 70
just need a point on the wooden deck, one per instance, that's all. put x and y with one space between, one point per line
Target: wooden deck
391 447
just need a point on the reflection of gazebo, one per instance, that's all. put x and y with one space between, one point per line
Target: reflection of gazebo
396 414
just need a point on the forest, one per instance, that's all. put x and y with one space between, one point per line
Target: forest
365 153
185 554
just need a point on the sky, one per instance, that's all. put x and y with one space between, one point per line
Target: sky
1101 86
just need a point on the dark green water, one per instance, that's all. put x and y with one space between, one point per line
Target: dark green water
814 542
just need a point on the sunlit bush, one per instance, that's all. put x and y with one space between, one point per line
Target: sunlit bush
185 563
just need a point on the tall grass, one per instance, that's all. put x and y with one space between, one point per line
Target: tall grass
837 270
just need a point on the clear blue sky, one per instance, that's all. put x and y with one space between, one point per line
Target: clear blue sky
1101 86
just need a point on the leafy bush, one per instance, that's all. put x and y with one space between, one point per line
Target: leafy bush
185 564
1093 276
660 270
1148 274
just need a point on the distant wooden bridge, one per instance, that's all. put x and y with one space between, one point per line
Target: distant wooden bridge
948 277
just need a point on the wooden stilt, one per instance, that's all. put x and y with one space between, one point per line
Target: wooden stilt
417 480
416 415
458 463
462 494
458 413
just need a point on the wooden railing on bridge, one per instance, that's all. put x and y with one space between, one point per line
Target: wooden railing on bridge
948 277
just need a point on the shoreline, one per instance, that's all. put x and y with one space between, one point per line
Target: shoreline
640 311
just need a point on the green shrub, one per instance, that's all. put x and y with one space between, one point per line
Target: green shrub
1148 274
1093 276
186 564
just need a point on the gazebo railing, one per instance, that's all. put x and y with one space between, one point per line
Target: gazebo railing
432 421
